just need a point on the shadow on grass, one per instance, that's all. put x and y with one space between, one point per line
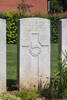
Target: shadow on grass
12 85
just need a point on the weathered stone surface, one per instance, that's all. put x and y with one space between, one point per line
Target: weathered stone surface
34 53
2 55
63 37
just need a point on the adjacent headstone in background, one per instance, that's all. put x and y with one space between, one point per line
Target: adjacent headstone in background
63 38
2 55
34 53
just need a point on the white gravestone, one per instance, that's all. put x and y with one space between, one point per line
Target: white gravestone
2 55
34 53
63 37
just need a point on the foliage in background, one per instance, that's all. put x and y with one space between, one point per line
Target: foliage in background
54 29
11 28
55 6
12 24
64 3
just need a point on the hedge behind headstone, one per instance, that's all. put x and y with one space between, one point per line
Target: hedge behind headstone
12 27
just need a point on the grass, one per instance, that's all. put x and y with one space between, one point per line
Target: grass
11 66
54 58
12 61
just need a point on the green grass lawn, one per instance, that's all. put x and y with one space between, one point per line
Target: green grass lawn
54 58
11 66
12 61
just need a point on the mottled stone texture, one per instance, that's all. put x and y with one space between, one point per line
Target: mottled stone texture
2 55
34 53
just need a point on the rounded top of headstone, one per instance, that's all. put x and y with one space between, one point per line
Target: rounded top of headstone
2 19
64 19
34 18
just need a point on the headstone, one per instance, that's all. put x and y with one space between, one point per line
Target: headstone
2 55
34 53
63 37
